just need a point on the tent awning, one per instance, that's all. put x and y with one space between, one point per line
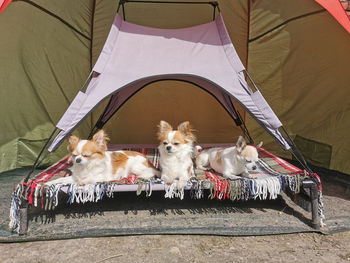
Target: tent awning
135 55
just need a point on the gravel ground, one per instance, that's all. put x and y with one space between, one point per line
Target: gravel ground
299 247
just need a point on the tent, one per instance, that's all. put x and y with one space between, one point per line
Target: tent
133 57
264 33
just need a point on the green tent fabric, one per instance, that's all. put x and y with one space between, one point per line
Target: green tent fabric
295 52
301 67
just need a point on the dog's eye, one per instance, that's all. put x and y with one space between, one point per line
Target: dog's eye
86 155
176 143
165 143
74 155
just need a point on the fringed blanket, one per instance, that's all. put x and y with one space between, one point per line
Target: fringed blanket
273 175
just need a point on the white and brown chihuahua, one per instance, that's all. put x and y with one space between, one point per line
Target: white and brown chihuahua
92 162
230 162
176 152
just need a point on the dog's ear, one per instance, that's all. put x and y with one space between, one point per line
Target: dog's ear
186 129
164 127
259 145
72 142
240 144
100 138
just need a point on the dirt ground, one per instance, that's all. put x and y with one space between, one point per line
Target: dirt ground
301 247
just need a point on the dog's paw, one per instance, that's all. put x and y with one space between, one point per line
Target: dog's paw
200 167
248 175
252 176
181 184
167 180
232 176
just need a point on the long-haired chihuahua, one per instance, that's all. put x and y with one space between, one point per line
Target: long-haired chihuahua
176 152
92 163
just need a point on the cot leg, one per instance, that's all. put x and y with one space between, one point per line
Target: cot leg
314 202
23 220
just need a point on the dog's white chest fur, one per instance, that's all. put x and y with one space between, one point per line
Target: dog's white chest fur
176 165
96 170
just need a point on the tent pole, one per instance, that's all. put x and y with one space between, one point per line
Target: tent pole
251 80
120 2
302 161
23 210
214 13
36 163
86 81
213 3
244 128
99 120
241 123
123 8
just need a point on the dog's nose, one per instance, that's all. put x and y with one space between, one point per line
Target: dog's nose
78 160
254 167
168 147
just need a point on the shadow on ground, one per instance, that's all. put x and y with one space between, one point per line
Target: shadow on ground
128 214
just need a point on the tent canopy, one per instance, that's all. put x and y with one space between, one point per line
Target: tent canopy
135 55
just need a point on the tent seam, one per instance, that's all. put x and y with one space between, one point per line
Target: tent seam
53 15
56 78
91 43
284 23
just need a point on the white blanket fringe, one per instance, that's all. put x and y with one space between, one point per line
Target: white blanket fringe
263 187
83 194
149 190
171 191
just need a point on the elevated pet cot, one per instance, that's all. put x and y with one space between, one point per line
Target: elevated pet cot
202 55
